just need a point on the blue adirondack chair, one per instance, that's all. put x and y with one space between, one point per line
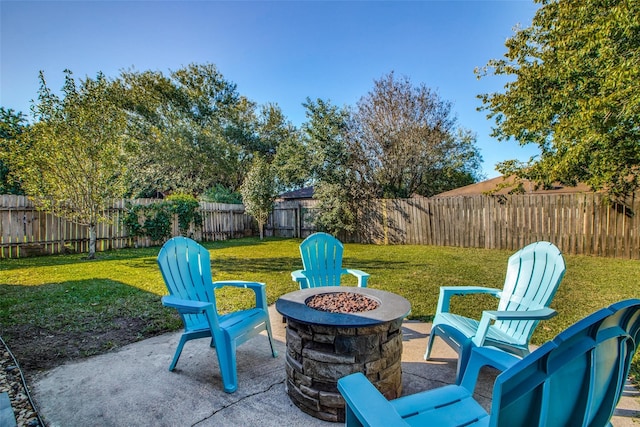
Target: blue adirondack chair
186 269
533 276
322 263
575 380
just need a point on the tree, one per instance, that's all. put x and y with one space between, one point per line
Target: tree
326 139
221 194
191 127
407 141
291 162
330 166
12 125
575 93
259 191
195 131
71 161
280 144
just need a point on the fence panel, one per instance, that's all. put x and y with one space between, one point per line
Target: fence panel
26 231
578 223
582 224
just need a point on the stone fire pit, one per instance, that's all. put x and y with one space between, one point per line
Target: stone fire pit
345 330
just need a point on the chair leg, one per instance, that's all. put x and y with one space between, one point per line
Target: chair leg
176 356
432 336
273 349
227 362
463 361
351 420
456 340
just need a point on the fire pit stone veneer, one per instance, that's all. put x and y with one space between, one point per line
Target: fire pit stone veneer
324 346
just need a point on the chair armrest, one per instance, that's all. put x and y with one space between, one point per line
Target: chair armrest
485 356
185 306
366 403
361 275
446 292
238 284
258 288
544 313
491 315
298 276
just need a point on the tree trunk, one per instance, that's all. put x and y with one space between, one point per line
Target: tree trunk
261 228
92 242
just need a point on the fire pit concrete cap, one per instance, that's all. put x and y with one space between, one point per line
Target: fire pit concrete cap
391 307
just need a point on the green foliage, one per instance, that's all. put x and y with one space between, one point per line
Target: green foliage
259 192
575 93
400 140
221 194
407 141
336 212
154 220
131 220
12 124
187 209
193 130
291 158
326 138
291 163
72 160
157 221
330 166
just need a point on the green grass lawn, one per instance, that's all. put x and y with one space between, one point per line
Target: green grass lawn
88 307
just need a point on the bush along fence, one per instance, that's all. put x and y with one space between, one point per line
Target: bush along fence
583 224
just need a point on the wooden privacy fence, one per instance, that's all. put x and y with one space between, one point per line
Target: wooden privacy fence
577 223
292 219
26 231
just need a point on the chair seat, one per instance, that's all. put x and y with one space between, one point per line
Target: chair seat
241 318
449 405
468 327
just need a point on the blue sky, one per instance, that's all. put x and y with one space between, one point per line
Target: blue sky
275 51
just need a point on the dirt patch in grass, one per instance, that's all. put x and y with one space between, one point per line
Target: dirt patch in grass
38 349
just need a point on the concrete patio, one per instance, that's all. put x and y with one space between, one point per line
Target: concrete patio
132 386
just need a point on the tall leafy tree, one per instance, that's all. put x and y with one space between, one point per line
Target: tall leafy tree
12 125
259 191
326 139
291 162
279 142
191 129
72 160
408 141
575 93
330 166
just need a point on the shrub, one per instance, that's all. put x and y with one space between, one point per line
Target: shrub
154 220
